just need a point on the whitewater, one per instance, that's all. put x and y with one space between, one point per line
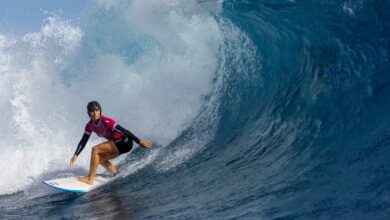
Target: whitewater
257 110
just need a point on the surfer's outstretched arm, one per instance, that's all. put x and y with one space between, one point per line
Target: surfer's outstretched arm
80 147
127 133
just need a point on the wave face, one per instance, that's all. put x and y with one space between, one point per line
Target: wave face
259 109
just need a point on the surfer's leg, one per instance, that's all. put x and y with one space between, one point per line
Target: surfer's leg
105 162
103 148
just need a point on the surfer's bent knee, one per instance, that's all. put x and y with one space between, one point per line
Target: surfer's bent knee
95 149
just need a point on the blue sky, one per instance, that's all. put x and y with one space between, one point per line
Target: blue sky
18 17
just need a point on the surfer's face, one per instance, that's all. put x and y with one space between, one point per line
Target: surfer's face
94 115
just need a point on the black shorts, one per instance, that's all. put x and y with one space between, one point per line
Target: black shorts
124 144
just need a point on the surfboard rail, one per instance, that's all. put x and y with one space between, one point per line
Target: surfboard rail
72 184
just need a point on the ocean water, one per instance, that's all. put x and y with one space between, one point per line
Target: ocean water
258 110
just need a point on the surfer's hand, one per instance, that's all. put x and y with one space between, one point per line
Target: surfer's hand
73 160
145 143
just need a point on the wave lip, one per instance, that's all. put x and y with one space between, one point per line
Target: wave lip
284 116
152 74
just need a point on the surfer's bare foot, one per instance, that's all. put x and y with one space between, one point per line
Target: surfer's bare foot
85 180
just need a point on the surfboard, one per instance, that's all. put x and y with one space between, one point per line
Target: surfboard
72 184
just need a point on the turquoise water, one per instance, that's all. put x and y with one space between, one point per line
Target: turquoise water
259 110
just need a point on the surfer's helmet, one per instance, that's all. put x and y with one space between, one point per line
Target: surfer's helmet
93 105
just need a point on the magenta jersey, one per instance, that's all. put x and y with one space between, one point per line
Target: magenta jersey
105 128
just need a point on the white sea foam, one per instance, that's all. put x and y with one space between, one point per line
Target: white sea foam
149 63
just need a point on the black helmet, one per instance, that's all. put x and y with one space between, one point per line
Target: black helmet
93 105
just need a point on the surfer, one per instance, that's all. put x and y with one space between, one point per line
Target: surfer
119 141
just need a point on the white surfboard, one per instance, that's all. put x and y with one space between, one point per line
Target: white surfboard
72 184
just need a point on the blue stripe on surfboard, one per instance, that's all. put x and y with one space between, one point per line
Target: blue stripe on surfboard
65 189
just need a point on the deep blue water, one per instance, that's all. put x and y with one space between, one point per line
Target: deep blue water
300 125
